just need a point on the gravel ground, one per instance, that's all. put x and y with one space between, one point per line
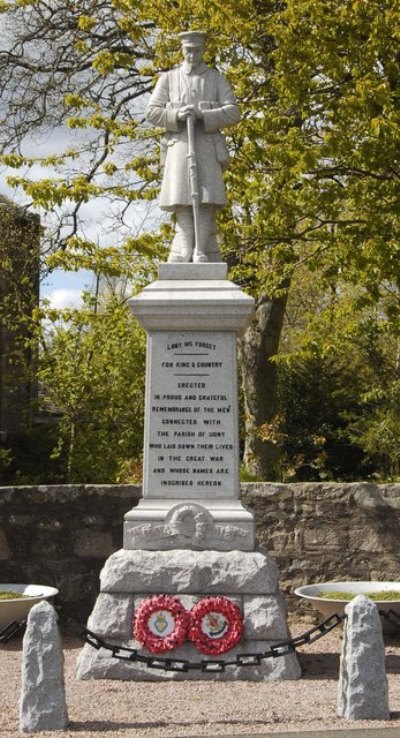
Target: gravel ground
112 709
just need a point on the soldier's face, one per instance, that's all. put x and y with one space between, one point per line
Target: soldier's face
193 55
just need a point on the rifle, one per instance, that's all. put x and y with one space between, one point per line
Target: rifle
194 183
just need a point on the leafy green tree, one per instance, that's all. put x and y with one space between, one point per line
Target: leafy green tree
376 428
318 398
338 384
92 372
314 182
19 295
333 148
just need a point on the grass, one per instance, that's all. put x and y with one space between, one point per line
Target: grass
383 594
9 594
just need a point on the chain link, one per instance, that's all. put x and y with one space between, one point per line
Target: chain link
124 653
282 648
11 630
391 616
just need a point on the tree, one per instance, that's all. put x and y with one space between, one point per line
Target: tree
19 298
334 148
92 369
338 372
317 150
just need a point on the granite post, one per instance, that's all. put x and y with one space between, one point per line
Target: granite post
362 690
42 704
190 535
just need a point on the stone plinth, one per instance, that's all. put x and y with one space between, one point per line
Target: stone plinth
191 297
190 536
192 315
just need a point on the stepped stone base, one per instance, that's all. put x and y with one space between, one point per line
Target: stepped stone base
247 578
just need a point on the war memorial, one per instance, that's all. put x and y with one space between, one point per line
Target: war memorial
189 575
190 594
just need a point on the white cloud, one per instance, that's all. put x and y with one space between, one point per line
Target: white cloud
65 298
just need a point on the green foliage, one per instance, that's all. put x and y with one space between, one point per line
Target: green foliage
339 387
19 288
246 477
377 427
29 457
92 371
314 190
316 399
5 461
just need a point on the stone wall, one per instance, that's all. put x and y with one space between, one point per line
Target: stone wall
62 535
323 531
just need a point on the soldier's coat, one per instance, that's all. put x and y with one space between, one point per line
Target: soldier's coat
207 88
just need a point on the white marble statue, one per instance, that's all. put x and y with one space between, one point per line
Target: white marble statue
193 103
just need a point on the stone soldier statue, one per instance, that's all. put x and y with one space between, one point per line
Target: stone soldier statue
197 98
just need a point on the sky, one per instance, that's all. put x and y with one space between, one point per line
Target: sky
64 289
60 288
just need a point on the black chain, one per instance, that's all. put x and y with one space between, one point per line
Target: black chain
391 616
123 653
282 648
11 630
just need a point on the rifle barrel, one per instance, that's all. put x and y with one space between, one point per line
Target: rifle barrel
194 180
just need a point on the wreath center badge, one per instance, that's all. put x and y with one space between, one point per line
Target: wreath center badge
214 625
161 623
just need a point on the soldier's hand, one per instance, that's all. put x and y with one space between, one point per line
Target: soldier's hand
185 112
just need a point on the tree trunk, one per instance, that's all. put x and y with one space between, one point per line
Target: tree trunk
258 345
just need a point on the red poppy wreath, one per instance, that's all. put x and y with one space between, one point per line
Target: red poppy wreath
161 623
216 625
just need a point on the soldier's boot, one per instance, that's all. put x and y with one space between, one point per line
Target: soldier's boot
183 243
207 250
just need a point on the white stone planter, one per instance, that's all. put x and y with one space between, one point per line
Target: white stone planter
18 609
312 593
